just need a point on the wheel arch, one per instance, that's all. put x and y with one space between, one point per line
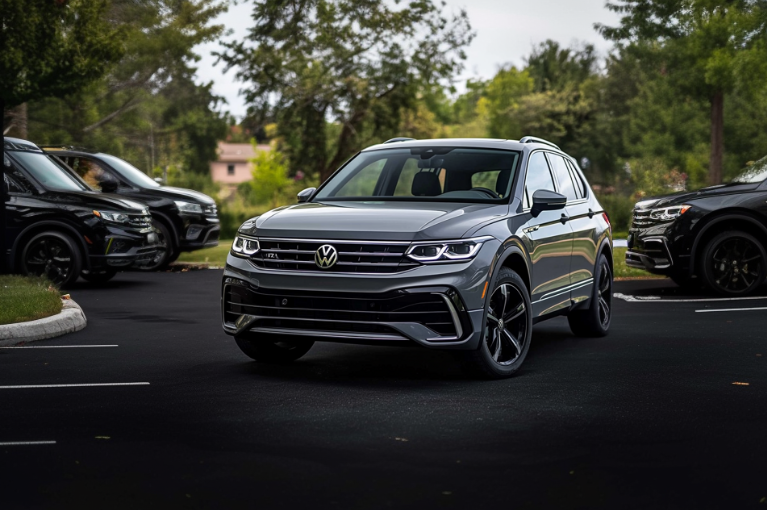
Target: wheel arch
43 226
721 221
515 258
170 225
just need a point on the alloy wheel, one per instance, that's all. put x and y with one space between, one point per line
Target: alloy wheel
50 257
507 319
605 295
736 264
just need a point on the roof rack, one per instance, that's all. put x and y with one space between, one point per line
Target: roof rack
533 139
64 148
399 139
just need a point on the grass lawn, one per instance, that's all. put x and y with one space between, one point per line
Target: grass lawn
217 257
26 299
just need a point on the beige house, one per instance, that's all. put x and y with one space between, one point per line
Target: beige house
233 165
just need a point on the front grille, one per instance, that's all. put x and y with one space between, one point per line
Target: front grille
353 257
140 221
641 218
333 311
210 210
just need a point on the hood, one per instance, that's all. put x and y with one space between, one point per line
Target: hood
688 196
186 195
98 200
373 220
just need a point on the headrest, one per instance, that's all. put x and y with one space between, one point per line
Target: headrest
426 184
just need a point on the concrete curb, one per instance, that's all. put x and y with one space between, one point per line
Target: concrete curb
70 319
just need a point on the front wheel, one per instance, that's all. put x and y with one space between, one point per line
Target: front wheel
163 256
53 255
734 263
508 329
594 321
273 348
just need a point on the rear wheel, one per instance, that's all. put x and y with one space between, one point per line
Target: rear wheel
508 329
734 263
164 254
273 348
98 275
595 320
54 255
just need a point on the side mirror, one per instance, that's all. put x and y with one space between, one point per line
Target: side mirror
545 200
305 195
159 180
108 185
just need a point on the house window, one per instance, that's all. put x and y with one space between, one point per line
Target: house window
229 169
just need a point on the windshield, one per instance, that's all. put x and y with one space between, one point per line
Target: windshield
446 174
49 172
754 173
129 172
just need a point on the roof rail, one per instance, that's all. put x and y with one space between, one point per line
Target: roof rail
399 139
64 148
533 139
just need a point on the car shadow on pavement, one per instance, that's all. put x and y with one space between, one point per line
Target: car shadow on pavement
666 289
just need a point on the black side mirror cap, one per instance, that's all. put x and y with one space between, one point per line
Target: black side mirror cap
108 185
545 200
305 195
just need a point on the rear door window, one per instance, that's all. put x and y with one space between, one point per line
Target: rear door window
580 186
538 177
565 180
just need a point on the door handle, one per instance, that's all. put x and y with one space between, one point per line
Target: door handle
564 218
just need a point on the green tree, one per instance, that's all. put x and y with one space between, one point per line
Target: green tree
270 177
708 49
357 63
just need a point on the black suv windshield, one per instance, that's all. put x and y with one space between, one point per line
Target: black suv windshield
48 172
447 174
129 172
753 174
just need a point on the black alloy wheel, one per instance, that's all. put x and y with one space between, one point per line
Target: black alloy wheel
594 321
53 255
165 252
734 263
508 329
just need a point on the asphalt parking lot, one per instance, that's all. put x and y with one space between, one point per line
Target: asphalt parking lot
152 406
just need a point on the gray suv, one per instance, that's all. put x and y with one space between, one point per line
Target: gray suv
458 244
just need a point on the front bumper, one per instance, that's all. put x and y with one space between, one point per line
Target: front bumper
123 249
651 254
438 306
198 231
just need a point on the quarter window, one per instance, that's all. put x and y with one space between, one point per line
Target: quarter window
566 186
538 177
580 186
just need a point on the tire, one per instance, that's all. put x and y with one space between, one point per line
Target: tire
506 339
734 263
98 276
595 320
685 282
54 255
273 348
163 257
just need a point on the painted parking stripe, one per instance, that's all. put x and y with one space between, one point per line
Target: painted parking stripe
26 443
58 346
658 299
34 386
731 310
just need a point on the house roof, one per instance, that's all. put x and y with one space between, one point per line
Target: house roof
238 152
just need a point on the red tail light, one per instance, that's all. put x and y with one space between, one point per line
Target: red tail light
607 219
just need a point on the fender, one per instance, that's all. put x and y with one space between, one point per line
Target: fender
608 245
169 223
511 246
60 225
726 217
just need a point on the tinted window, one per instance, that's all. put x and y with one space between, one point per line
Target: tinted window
129 172
49 172
566 185
363 183
16 185
89 171
538 177
580 186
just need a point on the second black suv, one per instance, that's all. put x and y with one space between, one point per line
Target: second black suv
58 227
187 220
716 236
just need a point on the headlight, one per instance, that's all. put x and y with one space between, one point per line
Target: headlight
446 251
669 213
245 246
188 207
112 217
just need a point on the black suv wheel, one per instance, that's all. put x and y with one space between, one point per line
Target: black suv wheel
595 320
53 255
734 263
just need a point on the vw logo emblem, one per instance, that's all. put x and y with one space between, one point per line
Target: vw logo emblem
326 256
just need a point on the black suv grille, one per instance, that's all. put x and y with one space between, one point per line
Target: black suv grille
353 257
333 311
641 218
140 221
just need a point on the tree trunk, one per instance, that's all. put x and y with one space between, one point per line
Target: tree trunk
346 143
16 119
717 139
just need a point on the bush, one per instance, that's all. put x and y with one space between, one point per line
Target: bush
620 209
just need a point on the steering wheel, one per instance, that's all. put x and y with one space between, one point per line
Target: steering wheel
488 191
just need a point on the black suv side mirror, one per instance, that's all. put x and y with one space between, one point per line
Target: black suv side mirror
108 185
545 200
305 195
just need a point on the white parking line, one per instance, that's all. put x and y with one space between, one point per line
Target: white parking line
58 346
658 299
731 310
32 386
26 443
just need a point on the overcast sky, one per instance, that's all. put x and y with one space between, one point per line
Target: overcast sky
506 30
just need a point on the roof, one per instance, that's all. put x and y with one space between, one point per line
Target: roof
238 152
480 143
10 143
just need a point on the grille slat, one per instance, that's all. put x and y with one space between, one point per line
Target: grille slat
641 218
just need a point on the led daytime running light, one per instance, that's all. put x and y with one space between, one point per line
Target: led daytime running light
245 246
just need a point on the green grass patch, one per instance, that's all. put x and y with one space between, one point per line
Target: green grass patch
25 299
215 256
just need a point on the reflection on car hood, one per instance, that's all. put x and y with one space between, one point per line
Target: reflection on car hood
374 220
99 200
687 196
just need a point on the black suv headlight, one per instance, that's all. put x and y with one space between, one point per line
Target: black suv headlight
245 246
430 252
113 217
669 213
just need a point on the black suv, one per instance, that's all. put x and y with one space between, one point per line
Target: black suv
58 227
716 236
447 244
185 219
